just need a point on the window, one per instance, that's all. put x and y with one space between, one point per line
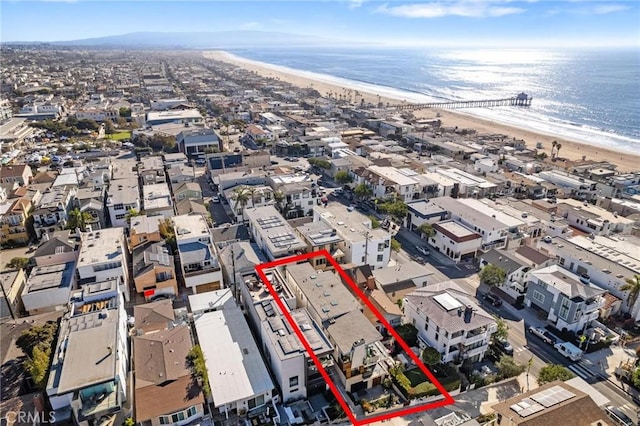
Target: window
426 326
164 420
437 336
118 206
192 411
293 381
538 297
120 216
380 246
564 309
256 402
380 257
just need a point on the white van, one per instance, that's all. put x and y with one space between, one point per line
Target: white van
569 350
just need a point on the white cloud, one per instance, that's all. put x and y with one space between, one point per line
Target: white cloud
250 25
465 8
605 9
354 4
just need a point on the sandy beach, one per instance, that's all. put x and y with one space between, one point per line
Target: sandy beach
571 150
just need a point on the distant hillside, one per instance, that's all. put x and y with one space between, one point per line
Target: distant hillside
203 40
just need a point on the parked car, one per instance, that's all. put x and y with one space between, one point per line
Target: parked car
504 346
423 250
492 298
215 199
618 416
543 334
419 260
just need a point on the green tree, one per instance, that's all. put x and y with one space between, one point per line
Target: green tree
375 223
507 367
78 219
18 263
362 191
632 285
131 213
198 366
558 146
431 356
320 163
395 245
397 209
396 369
129 422
168 233
552 372
492 275
502 332
635 378
427 229
124 112
553 147
408 333
109 128
38 365
36 343
278 197
343 177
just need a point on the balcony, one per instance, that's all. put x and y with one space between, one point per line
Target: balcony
97 401
474 339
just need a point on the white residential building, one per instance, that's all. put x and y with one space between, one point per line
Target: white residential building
300 195
238 377
449 320
174 116
455 241
592 219
385 181
200 267
103 257
165 104
573 186
275 237
48 288
362 244
123 195
52 212
88 375
157 200
607 261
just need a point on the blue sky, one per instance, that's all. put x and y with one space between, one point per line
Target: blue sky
485 23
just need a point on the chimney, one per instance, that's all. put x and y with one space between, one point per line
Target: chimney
371 283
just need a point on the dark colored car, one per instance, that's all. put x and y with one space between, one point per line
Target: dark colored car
492 298
504 346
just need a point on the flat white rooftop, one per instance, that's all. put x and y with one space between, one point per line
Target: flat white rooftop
102 246
392 174
190 226
234 364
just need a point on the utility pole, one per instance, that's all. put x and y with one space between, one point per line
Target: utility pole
366 247
236 295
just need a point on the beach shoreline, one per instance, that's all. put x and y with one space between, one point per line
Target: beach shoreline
571 149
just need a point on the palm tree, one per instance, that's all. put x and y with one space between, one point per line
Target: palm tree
241 195
632 285
78 219
558 146
553 147
427 229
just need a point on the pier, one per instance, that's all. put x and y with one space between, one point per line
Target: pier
521 100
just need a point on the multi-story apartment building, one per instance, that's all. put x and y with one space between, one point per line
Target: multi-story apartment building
570 302
88 375
144 229
607 261
275 237
151 170
571 185
123 196
320 236
455 241
195 142
299 194
48 288
52 212
254 196
592 219
200 267
386 181
103 257
154 270
362 244
13 223
449 320
19 173
157 200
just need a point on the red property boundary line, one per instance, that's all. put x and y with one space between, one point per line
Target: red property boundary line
448 399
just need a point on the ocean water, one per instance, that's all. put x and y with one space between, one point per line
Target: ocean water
591 96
